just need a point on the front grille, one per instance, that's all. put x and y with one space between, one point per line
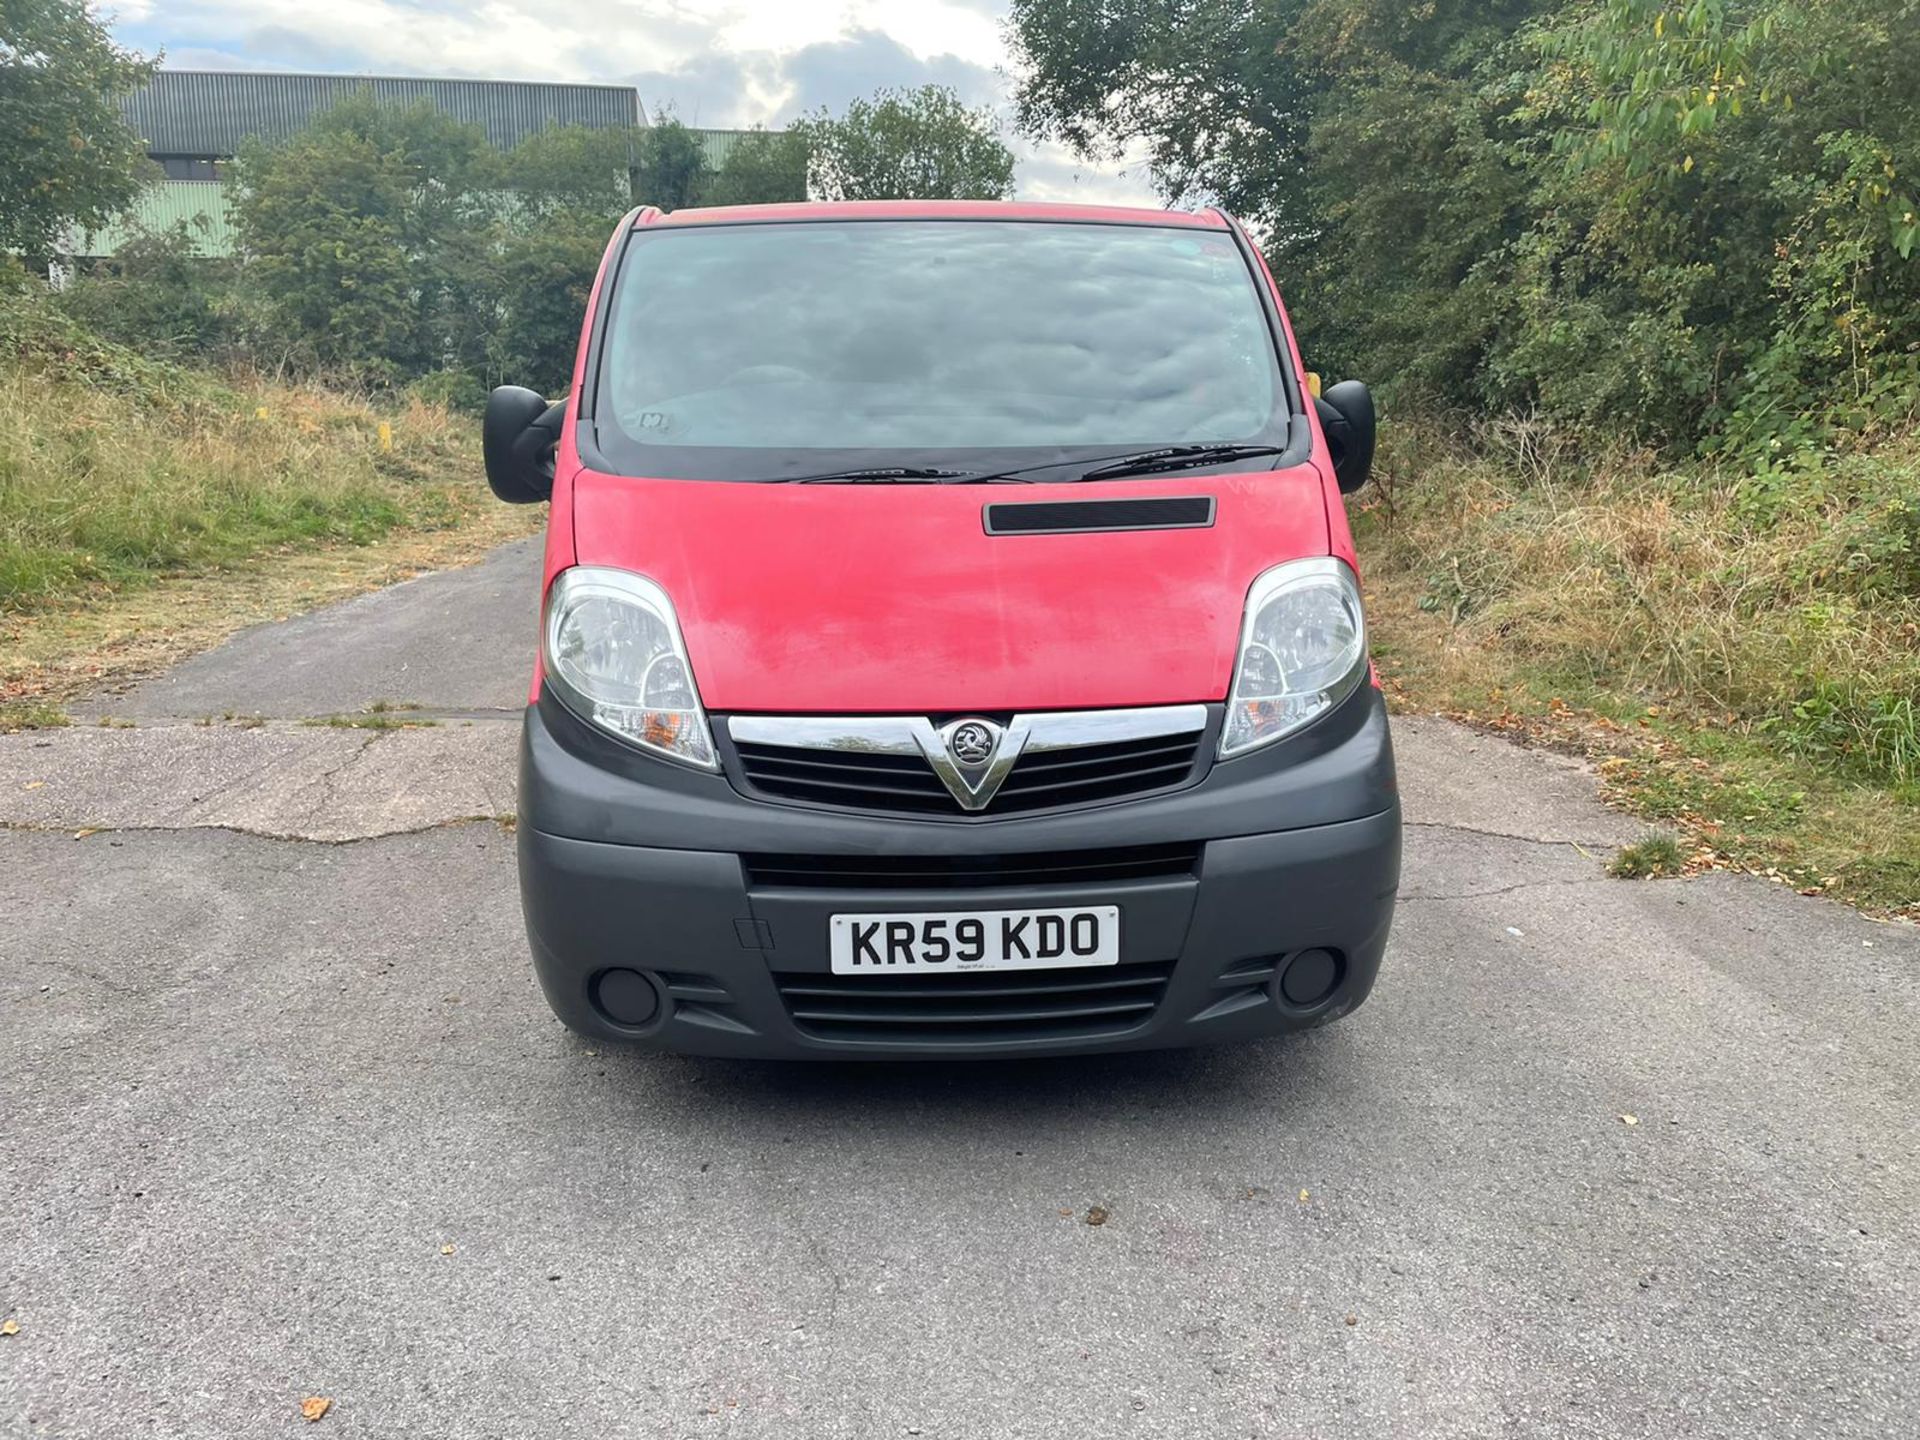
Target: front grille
984 1008
968 872
1090 774
906 784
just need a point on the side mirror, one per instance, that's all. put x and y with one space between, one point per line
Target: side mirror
517 437
1346 415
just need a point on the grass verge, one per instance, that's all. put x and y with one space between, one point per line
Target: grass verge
52 654
1740 654
147 512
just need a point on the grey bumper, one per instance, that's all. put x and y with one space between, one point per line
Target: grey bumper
1265 905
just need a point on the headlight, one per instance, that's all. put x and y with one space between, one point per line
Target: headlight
1303 648
615 657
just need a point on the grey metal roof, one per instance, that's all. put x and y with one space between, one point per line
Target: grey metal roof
209 112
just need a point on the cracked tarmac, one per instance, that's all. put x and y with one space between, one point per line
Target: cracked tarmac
1599 1158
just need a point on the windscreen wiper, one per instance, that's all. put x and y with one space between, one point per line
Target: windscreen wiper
1177 457
882 475
1135 462
901 475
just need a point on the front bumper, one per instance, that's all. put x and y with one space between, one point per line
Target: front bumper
1255 901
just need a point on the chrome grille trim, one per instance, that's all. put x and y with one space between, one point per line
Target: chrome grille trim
903 757
915 734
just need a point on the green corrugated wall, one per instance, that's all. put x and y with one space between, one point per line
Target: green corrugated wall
202 204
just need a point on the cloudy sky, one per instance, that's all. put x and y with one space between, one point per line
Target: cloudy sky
711 62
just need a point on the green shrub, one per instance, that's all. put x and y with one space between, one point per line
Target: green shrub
453 389
115 469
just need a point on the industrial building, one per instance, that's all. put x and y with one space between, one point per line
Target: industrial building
194 121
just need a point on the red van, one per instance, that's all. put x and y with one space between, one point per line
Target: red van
951 642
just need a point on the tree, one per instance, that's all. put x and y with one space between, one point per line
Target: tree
670 167
571 169
370 232
545 275
67 154
570 186
1694 224
907 145
1205 88
763 168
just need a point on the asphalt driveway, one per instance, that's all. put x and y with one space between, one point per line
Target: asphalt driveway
285 1117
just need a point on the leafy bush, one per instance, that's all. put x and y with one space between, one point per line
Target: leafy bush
451 389
39 336
160 297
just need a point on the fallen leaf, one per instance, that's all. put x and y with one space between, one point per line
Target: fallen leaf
1303 1197
9 1326
34 785
314 1406
447 1249
82 834
1065 1214
1629 1119
1353 1319
1097 1214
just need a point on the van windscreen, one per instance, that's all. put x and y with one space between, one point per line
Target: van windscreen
762 351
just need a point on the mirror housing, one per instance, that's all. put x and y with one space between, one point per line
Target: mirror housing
517 437
1346 415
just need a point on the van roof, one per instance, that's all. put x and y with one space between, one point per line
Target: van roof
933 210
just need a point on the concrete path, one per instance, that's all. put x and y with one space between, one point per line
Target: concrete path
285 1118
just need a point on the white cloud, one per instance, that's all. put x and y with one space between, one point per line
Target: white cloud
713 62
1051 172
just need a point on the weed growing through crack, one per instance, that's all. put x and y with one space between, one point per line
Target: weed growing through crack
370 720
1648 859
31 715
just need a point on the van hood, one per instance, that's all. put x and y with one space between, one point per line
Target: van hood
848 599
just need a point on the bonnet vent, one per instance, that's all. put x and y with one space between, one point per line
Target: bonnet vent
1067 517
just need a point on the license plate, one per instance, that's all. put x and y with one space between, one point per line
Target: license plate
965 940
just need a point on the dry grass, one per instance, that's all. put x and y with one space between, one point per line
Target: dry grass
140 525
1742 653
103 489
1699 590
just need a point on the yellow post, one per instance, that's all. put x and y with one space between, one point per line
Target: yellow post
386 436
